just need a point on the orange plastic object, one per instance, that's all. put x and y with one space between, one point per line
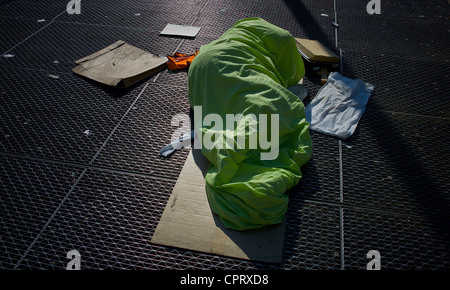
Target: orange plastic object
180 60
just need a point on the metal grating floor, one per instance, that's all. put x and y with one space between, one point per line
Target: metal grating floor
386 188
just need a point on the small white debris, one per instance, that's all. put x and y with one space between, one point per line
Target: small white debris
324 15
7 55
137 14
55 62
87 133
53 76
41 20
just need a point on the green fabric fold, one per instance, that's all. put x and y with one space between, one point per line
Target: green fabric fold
247 71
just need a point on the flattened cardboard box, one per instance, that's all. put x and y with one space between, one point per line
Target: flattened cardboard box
119 65
314 51
189 223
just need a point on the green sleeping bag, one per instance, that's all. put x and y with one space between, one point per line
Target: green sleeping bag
246 73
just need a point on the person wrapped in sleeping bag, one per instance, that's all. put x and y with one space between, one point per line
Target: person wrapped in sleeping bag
247 71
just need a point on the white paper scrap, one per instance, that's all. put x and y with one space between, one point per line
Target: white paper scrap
180 30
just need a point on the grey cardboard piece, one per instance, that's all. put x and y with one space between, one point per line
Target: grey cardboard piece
189 223
180 30
119 65
314 51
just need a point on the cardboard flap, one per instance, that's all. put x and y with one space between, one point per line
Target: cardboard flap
101 52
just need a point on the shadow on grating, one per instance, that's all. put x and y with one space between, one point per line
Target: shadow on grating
402 85
418 10
321 175
312 238
392 162
403 242
293 16
409 38
403 168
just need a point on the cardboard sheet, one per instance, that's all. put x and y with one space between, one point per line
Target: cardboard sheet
188 222
314 51
119 65
180 30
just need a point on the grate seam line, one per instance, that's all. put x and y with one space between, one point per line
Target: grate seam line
77 181
33 34
49 220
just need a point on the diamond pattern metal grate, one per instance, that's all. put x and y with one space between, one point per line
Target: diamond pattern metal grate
386 188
